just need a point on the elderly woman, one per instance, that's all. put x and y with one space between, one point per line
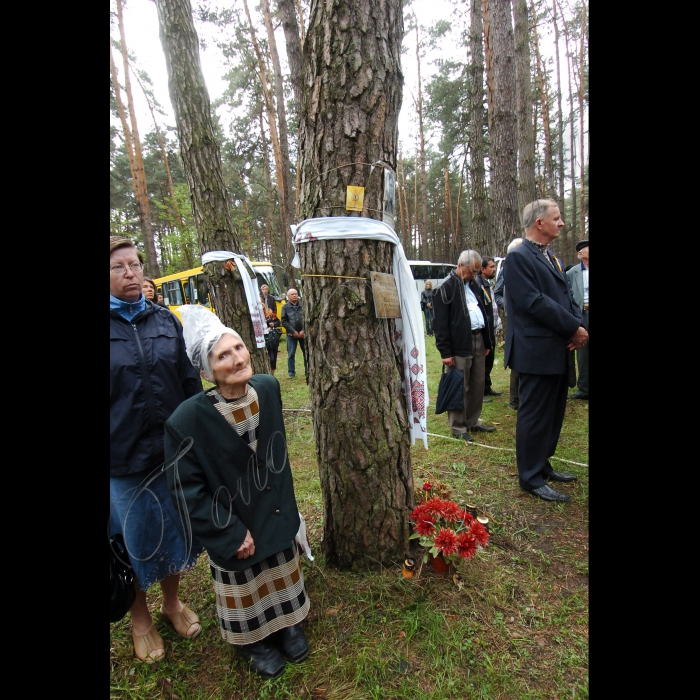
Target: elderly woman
149 376
228 467
426 304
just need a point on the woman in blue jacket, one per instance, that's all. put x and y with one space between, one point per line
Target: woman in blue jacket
150 375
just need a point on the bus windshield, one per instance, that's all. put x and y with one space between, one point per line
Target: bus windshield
424 270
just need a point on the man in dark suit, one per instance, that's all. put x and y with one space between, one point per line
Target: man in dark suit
483 281
544 325
578 280
462 339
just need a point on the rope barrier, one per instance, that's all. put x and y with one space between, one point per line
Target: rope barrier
503 449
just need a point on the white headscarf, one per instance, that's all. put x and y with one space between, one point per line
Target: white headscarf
202 331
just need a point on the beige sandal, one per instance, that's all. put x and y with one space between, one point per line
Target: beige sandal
149 647
183 621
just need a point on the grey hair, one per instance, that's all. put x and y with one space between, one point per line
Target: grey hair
467 258
535 210
514 244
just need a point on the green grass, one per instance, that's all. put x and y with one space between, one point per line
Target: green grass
518 628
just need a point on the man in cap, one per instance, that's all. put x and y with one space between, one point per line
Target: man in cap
544 325
578 281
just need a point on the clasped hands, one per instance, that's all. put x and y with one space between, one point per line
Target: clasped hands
578 339
247 549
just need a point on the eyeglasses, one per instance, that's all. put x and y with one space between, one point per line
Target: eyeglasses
120 269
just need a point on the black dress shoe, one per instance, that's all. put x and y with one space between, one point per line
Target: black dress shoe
560 476
547 493
491 392
579 395
293 642
264 658
478 428
513 406
466 437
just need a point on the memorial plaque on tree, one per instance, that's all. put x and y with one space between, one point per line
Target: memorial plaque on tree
386 295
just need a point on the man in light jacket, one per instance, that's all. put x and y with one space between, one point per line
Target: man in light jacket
578 281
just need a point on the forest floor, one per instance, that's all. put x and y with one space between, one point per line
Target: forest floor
516 629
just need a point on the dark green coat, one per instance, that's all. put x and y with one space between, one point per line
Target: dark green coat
224 486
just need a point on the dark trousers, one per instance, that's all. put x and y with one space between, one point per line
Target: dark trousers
540 417
291 352
429 316
514 388
488 366
582 358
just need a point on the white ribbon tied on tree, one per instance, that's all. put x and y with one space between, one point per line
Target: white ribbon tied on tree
409 328
250 286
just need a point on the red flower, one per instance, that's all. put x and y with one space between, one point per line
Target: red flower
466 517
466 545
451 511
446 541
478 531
425 524
427 486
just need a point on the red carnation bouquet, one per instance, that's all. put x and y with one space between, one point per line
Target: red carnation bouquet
445 528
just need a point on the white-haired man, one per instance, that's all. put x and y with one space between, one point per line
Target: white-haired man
463 340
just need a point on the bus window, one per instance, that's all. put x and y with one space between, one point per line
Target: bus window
266 275
172 293
202 291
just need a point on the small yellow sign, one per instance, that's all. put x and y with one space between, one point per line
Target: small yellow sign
354 198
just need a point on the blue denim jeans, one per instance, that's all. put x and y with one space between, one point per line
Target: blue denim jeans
291 352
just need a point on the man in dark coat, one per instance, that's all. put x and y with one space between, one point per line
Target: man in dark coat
544 325
462 339
483 281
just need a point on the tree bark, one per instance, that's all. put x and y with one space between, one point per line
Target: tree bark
292 39
504 154
352 96
527 191
201 158
477 170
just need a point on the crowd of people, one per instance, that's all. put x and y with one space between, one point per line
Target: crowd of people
194 470
546 310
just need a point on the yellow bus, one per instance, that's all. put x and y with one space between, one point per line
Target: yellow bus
190 287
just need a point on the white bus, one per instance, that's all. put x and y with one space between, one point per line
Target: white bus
424 270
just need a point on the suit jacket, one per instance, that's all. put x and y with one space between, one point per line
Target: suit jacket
224 487
575 278
542 315
487 297
453 330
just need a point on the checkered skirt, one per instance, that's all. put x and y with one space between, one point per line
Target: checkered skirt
258 601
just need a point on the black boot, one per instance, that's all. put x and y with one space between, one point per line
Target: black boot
293 642
264 658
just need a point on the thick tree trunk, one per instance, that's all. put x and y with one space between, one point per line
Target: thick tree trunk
527 191
477 170
292 39
504 153
352 83
202 162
